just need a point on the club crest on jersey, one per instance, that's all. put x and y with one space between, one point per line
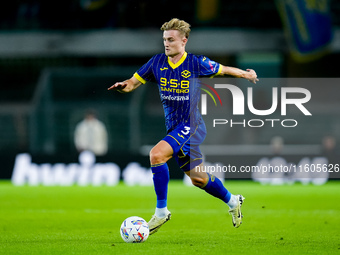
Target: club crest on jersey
186 74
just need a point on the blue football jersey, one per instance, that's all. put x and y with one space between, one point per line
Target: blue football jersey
178 85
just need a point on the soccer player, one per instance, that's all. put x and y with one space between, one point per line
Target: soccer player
176 73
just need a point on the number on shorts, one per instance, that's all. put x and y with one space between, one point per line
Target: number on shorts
187 130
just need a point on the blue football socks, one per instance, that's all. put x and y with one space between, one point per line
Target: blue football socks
161 179
215 188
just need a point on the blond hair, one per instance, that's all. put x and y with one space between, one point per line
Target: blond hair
177 24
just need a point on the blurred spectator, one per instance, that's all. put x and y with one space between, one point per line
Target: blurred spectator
329 149
91 134
277 144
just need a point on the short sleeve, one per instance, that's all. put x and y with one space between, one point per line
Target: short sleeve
145 73
209 67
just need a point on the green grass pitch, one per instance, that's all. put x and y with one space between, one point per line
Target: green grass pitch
289 219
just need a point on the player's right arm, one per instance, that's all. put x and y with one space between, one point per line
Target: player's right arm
126 86
144 74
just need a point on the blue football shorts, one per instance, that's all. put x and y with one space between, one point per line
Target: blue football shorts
185 141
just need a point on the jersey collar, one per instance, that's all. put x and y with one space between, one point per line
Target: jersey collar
174 66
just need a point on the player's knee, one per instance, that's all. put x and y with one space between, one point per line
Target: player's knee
198 181
156 156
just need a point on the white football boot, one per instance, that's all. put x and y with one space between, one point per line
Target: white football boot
155 223
236 212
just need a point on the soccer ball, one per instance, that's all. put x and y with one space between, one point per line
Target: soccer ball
134 230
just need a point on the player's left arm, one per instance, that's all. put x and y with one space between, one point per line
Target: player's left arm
249 74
